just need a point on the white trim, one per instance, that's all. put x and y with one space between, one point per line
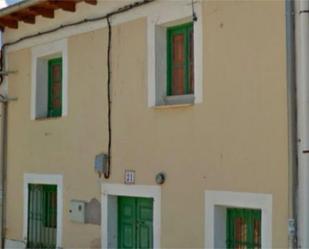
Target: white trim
45 50
178 12
215 199
45 179
134 191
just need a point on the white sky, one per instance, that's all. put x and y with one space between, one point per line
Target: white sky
2 4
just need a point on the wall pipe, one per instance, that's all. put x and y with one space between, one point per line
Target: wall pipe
302 93
292 123
3 163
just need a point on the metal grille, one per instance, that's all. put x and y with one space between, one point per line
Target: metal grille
42 216
243 228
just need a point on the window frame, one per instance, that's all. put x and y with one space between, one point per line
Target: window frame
179 12
216 203
44 179
39 97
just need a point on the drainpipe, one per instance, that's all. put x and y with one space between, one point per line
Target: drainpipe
292 123
3 167
302 84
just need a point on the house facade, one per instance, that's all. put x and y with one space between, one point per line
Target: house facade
156 124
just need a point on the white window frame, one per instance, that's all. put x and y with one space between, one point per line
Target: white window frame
178 12
110 192
44 179
44 52
216 203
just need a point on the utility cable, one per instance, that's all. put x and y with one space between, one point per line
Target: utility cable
87 20
109 73
109 98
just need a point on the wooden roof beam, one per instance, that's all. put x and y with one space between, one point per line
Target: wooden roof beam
11 23
65 5
93 2
27 18
46 12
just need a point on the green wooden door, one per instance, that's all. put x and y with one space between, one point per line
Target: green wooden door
135 226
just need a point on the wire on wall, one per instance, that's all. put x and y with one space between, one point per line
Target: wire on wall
109 98
87 20
194 16
109 71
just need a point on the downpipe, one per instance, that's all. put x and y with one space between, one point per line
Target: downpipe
292 124
302 92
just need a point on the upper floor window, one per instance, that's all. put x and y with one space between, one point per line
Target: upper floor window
175 55
49 80
180 71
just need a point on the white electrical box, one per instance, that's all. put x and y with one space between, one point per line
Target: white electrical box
77 211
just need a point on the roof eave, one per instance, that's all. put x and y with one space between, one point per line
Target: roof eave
17 6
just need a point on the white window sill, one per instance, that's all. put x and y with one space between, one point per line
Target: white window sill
47 118
164 107
179 99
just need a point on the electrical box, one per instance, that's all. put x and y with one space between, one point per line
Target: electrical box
101 163
77 211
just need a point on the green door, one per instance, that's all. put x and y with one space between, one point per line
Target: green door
42 216
135 229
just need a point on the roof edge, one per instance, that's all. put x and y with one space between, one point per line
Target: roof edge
17 6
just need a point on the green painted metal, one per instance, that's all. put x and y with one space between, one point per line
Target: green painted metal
187 31
243 228
54 87
42 216
135 222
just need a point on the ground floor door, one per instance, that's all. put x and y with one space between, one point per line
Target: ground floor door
135 222
42 216
243 228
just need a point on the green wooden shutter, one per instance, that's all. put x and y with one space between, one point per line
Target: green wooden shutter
55 87
180 57
191 60
243 228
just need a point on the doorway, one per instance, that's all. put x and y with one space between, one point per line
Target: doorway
135 222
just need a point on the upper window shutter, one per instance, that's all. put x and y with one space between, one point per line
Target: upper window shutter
55 87
178 64
191 60
180 55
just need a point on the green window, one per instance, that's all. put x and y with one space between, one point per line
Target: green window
55 87
42 216
180 58
243 228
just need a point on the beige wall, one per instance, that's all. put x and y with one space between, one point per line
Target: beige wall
235 140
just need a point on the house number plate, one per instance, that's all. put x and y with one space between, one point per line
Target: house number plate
129 177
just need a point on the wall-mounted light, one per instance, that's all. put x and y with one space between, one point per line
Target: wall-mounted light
160 178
